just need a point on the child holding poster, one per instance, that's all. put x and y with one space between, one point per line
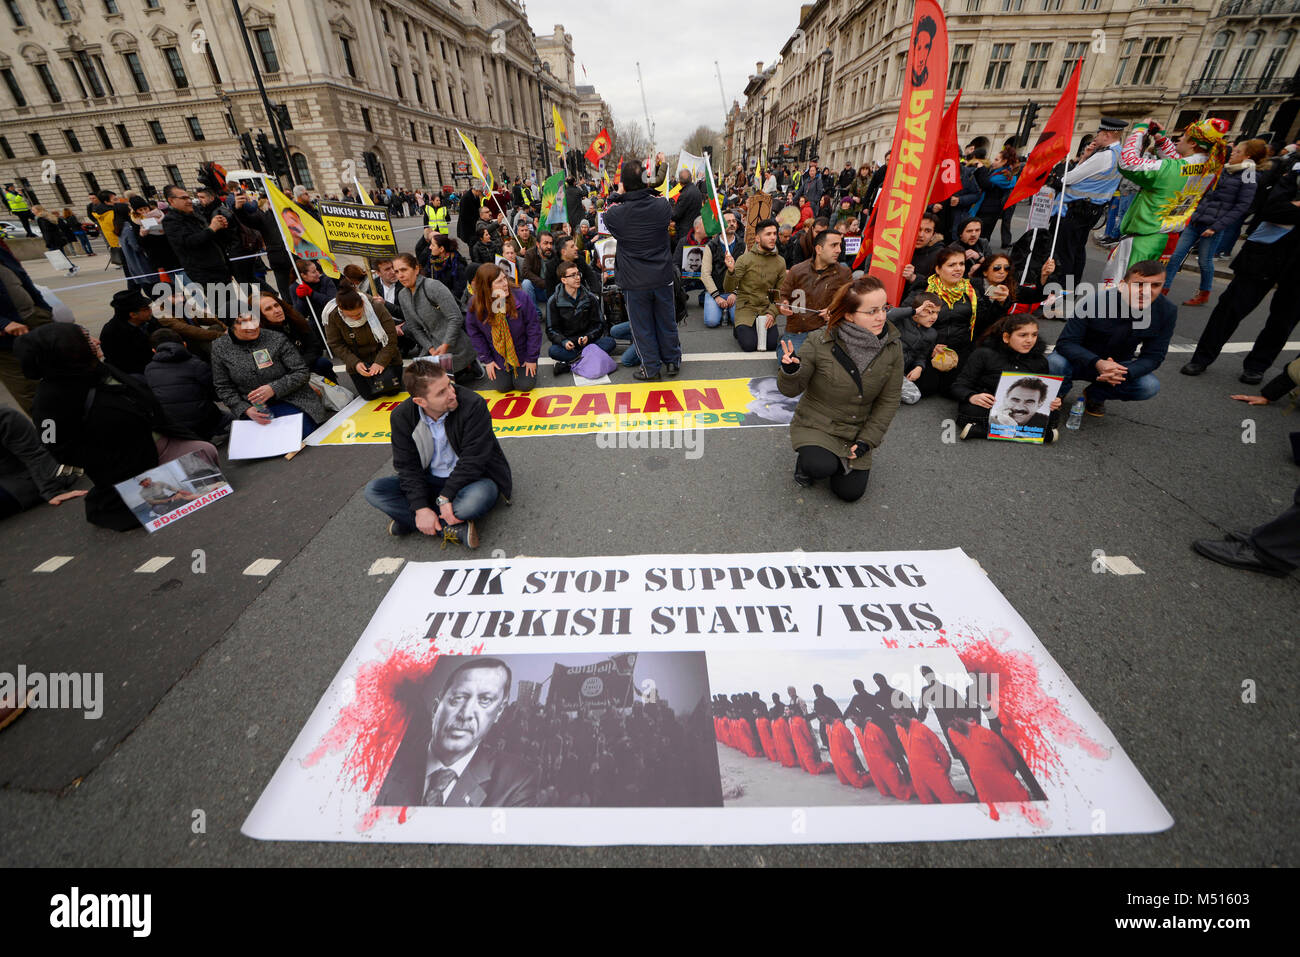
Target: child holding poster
1011 345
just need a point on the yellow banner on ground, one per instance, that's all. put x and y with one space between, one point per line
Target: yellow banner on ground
643 406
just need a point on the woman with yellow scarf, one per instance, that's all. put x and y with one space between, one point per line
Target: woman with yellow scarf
505 330
956 322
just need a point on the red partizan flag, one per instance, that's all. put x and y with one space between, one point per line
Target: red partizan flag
915 149
1053 144
864 250
600 147
948 181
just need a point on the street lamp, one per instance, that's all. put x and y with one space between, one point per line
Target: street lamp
541 108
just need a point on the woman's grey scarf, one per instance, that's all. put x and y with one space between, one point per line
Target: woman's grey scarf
860 344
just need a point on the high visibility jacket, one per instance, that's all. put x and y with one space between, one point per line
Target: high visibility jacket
526 194
16 202
107 228
436 219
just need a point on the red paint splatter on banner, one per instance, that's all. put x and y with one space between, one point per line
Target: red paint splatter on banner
889 642
370 727
1031 720
401 818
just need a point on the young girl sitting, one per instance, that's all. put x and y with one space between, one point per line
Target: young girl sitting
1012 345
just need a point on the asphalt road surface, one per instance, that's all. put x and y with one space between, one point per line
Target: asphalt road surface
211 672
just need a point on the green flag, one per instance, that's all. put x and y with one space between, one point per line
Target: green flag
550 191
710 210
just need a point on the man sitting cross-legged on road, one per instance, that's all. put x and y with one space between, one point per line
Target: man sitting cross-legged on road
450 467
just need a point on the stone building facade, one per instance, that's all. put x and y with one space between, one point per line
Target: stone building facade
120 94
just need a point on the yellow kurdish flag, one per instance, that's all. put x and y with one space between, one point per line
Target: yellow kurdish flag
476 161
304 236
561 135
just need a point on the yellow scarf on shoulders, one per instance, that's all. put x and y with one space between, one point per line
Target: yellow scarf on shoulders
954 294
502 341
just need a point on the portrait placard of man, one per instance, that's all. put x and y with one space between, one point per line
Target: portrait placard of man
1017 411
442 762
922 41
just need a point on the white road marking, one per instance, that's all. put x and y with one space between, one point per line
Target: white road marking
53 564
385 566
1121 565
263 566
153 564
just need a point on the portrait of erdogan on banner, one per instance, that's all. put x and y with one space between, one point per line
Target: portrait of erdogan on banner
922 41
442 762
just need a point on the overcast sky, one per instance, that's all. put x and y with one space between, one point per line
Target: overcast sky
676 45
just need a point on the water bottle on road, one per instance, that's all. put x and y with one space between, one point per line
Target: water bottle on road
1076 416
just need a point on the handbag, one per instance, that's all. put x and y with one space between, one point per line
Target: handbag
945 360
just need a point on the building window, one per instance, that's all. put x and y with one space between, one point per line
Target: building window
999 64
61 8
960 65
173 57
1012 6
5 148
406 30
156 129
266 50
104 141
173 175
397 81
47 80
426 41
76 77
123 135
1051 4
110 7
108 82
411 124
122 180
301 170
431 134
140 177
15 13
14 89
1246 56
347 58
442 49
152 4
196 131
419 88
1073 51
1089 4
1125 54
972 6
419 166
1276 53
39 144
383 18
437 100
1151 60
91 73
1035 64
230 124
212 64
92 184
365 120
451 98
74 144
137 71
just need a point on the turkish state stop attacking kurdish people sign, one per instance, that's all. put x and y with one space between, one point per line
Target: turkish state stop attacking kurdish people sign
358 230
634 407
701 699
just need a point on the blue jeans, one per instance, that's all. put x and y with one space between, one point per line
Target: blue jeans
472 502
539 296
794 338
561 354
1228 238
1115 213
715 315
653 318
622 332
1205 247
1130 390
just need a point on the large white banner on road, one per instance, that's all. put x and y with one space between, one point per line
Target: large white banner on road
701 699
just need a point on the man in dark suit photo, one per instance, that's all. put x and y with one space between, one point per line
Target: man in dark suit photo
440 762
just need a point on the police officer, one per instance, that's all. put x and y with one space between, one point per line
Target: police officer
17 204
435 214
1088 189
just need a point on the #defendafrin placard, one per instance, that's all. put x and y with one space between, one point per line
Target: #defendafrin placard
701 699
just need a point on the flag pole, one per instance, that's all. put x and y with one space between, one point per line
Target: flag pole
1033 238
1060 207
293 261
713 188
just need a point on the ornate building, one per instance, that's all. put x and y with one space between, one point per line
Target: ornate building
841 71
120 94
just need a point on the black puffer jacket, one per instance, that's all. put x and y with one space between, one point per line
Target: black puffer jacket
1225 205
182 384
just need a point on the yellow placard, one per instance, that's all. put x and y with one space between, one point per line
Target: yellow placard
643 406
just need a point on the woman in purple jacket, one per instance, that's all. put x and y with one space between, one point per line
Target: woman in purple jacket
505 329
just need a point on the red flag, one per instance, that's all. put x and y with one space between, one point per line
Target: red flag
1053 144
915 149
865 249
618 171
948 182
794 128
600 147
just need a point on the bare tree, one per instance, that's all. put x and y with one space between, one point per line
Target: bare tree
630 139
699 138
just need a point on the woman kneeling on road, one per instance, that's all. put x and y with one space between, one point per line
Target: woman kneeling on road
850 375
